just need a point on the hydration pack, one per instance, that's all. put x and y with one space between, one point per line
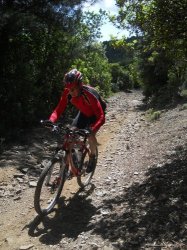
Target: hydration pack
97 95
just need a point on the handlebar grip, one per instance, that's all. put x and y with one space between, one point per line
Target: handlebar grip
46 123
84 132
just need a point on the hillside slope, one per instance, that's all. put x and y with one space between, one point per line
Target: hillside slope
139 194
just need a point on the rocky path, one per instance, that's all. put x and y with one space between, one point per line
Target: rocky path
138 197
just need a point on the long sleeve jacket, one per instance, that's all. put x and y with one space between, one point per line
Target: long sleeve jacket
86 103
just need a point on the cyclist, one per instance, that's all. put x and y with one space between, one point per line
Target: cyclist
90 115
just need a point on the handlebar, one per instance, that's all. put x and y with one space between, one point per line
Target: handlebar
48 124
58 127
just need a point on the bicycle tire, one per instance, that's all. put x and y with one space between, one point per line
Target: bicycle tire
51 179
84 179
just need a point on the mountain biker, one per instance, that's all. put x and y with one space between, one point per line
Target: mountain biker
90 115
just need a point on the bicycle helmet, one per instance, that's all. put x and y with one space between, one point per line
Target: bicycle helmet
73 79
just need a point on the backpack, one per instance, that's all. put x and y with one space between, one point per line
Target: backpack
97 95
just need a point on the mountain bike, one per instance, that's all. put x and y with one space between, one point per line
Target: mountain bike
70 159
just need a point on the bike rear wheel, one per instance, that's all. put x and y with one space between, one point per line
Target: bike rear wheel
49 186
84 179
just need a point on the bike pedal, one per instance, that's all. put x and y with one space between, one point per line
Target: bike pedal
69 176
79 173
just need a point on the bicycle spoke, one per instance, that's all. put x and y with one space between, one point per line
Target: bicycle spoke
85 178
49 188
53 176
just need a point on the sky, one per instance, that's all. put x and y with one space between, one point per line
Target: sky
107 29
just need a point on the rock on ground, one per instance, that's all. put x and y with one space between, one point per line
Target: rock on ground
138 196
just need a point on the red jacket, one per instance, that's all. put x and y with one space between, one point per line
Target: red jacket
87 103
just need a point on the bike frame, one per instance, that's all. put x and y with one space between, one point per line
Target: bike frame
63 166
70 141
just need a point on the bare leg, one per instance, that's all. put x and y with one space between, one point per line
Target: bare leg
93 147
93 143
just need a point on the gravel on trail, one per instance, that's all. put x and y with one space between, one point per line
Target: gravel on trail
138 195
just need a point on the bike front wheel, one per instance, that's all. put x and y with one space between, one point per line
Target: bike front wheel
84 179
49 186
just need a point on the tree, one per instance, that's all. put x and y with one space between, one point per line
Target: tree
39 42
162 26
95 68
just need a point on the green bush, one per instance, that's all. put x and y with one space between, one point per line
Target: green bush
120 78
152 115
184 106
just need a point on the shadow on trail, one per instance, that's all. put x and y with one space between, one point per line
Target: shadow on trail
66 221
28 150
153 213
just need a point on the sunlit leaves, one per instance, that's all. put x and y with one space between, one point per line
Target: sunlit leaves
95 68
161 26
162 20
39 42
91 23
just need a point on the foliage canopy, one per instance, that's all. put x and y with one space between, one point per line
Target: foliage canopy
39 42
161 30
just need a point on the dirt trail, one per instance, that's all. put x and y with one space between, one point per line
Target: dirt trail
138 189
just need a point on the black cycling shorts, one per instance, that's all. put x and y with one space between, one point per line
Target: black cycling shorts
81 121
